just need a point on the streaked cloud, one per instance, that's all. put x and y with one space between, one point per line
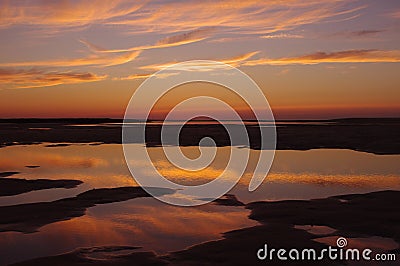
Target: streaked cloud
233 61
32 78
395 14
242 17
238 17
184 37
282 36
64 13
349 56
145 76
356 34
362 33
226 39
92 60
171 41
134 77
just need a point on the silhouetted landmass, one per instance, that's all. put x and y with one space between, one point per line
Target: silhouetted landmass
60 120
58 145
227 200
374 135
15 186
6 174
29 217
32 166
357 215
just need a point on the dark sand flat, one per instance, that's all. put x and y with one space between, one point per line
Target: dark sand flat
379 136
28 218
15 186
361 215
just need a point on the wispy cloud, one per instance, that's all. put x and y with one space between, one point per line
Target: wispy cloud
33 78
92 60
349 56
356 34
243 17
170 41
64 13
134 77
233 61
363 33
145 76
283 72
395 14
194 35
282 36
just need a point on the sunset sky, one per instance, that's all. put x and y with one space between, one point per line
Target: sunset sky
312 59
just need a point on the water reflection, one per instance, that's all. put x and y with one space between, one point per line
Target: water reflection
140 222
294 174
156 226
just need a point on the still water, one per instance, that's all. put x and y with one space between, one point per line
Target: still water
159 227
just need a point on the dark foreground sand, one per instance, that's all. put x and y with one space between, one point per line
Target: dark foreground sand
361 215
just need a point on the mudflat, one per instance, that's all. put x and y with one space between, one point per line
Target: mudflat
374 135
355 215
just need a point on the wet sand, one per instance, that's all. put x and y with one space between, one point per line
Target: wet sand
379 136
356 215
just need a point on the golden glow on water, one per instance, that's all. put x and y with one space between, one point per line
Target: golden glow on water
367 181
104 166
157 226
140 222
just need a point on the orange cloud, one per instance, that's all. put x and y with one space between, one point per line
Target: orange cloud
191 35
171 41
243 17
37 78
253 16
134 76
98 60
234 61
282 36
145 76
349 56
63 13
